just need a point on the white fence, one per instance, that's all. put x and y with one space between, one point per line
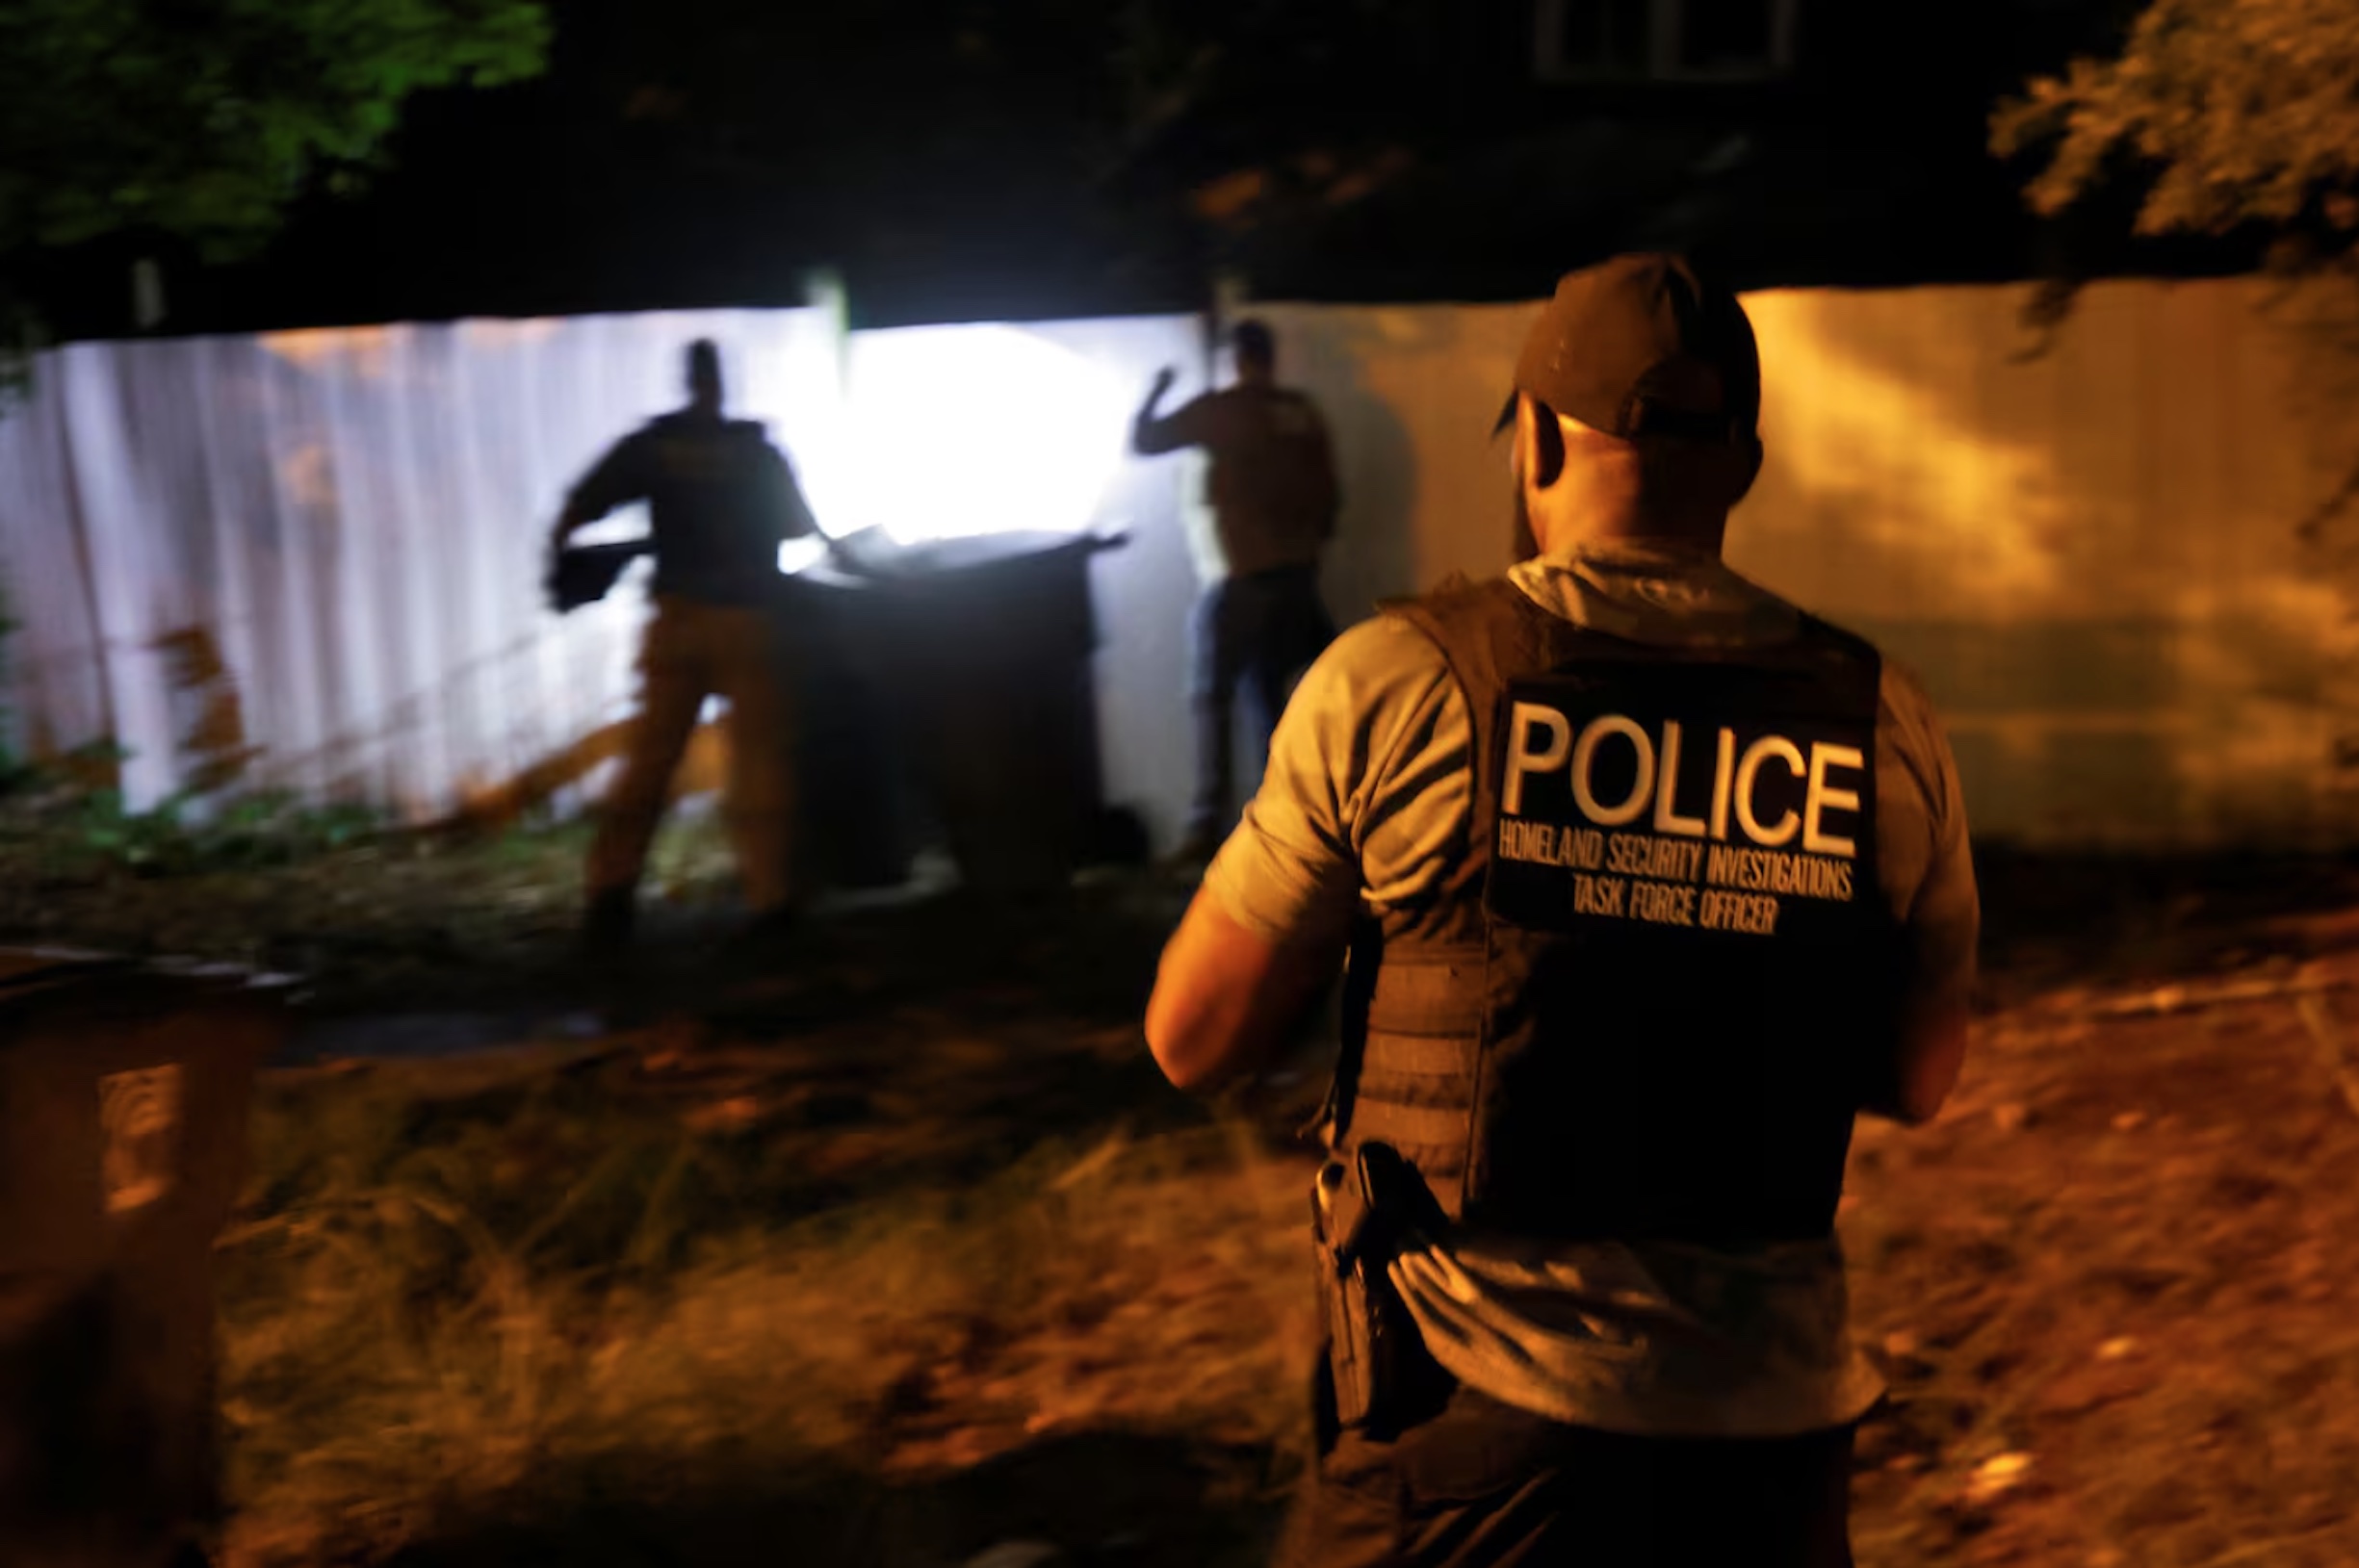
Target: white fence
356 520
2090 553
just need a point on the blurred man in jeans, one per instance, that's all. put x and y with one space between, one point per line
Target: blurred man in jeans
721 500
1272 489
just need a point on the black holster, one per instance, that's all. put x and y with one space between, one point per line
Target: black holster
1382 1376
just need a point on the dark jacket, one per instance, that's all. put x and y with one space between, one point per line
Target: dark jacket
721 500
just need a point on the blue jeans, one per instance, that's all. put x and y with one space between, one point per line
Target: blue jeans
1256 633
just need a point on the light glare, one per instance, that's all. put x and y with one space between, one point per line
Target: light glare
965 430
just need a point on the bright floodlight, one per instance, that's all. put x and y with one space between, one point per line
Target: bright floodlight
796 555
963 430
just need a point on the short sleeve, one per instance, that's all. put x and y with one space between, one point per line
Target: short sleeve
1925 859
1366 794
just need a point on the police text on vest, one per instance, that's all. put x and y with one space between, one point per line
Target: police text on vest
1541 740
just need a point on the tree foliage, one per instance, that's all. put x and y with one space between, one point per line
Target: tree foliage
1084 96
2240 111
204 118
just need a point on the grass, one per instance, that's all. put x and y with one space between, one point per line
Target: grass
828 1270
903 1249
372 914
2106 1281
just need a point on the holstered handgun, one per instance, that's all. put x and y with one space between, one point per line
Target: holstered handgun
1376 1357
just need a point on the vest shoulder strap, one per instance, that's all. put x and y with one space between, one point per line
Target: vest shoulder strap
1864 658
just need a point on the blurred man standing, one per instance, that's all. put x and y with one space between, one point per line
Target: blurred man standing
1272 488
721 500
1649 881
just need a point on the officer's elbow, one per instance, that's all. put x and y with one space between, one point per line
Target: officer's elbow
1206 1011
1183 1034
1168 1040
1933 1054
1910 1111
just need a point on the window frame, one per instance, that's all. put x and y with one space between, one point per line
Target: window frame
1666 23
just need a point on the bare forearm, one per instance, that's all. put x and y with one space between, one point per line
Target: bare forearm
1150 434
1224 998
1153 433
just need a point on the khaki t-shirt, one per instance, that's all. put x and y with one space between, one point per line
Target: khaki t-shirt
1365 801
1271 482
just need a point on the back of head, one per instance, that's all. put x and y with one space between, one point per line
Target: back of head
704 375
1256 349
1646 379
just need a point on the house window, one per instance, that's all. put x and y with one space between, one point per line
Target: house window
1664 40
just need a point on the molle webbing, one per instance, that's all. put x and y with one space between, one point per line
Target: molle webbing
1576 1080
1416 1081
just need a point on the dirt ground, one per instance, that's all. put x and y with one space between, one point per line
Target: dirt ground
2112 1283
892 1245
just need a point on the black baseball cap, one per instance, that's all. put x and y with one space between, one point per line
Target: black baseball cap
1642 345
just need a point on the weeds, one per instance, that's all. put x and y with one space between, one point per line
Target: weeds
857 1245
918 1207
358 906
190 835
449 1297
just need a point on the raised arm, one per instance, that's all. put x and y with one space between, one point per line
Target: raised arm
1153 434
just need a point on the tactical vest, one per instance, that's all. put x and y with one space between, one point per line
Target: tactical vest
712 508
1643 1002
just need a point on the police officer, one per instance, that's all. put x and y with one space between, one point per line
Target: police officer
1272 486
720 499
1648 882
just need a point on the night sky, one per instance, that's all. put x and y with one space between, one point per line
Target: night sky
963 159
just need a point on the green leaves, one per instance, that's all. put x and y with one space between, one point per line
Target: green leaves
245 833
2242 111
204 118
